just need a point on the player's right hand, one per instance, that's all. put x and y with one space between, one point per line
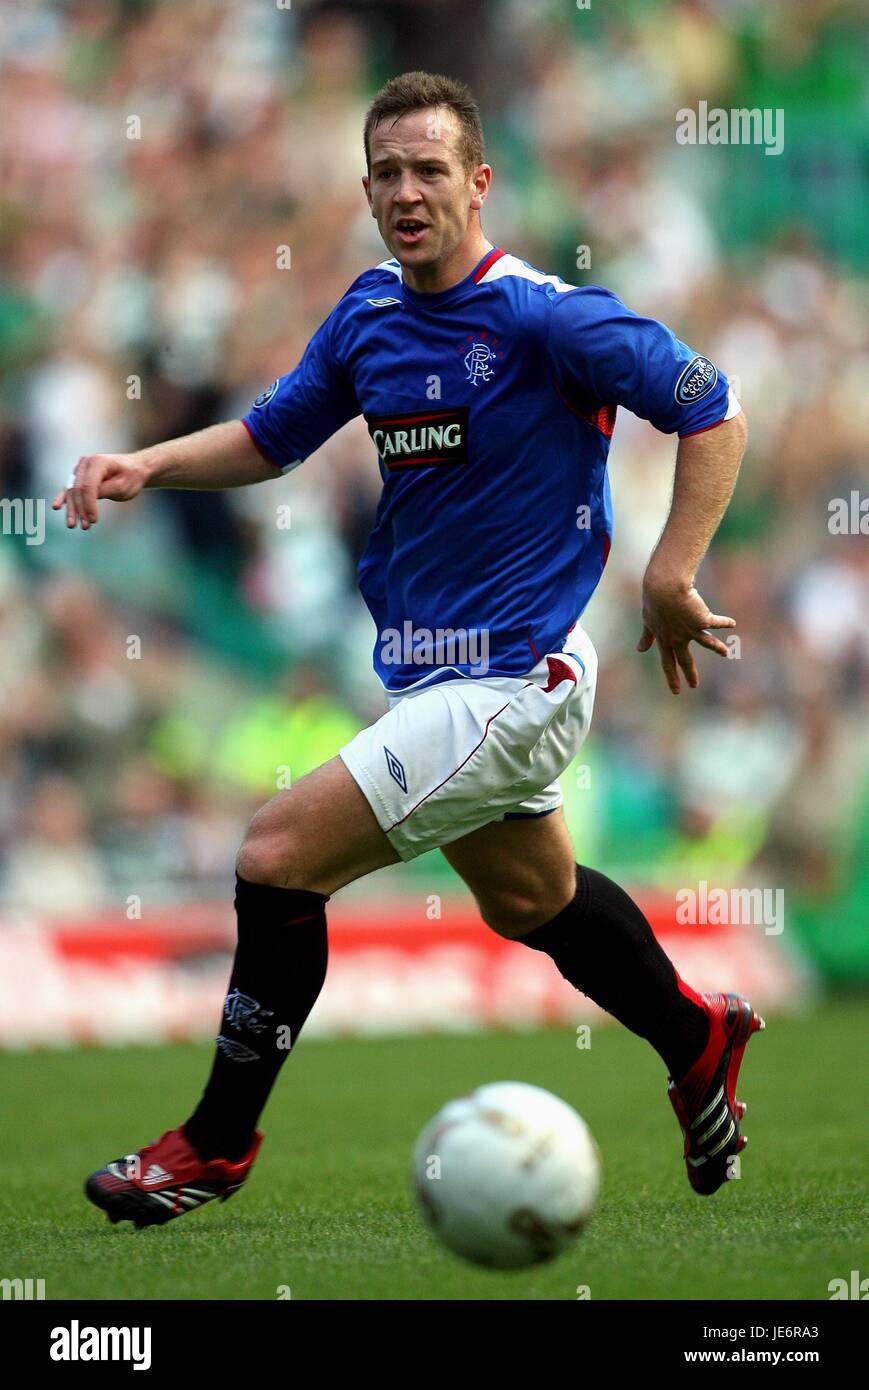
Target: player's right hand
116 477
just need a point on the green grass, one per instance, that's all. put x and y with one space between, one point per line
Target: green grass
328 1211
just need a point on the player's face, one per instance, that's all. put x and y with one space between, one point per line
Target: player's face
422 196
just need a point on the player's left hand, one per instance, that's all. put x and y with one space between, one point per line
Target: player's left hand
675 615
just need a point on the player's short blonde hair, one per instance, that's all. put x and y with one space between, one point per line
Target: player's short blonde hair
416 91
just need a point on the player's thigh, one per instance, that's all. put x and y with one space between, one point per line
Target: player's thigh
521 872
319 835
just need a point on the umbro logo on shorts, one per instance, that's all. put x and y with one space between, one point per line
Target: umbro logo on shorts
396 771
426 439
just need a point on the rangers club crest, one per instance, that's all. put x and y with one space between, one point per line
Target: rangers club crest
480 355
241 1011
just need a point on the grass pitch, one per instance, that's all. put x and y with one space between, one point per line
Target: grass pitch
328 1214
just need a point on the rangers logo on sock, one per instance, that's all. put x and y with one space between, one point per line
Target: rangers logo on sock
240 1011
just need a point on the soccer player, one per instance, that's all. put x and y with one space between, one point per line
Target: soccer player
490 392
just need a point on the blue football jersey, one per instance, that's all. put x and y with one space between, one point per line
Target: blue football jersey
491 406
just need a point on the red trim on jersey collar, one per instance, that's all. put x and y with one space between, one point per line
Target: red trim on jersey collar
486 265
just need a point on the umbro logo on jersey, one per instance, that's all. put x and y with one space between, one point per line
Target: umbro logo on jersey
383 303
427 439
697 380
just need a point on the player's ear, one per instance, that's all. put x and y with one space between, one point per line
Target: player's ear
481 180
366 184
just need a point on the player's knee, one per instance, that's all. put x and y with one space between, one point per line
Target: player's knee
269 858
512 913
514 909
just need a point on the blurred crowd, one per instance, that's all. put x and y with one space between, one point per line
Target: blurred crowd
180 208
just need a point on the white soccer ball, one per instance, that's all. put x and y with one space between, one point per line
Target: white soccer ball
507 1176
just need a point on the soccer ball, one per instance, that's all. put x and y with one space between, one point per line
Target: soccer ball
507 1176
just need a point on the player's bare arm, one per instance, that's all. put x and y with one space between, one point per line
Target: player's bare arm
674 613
221 456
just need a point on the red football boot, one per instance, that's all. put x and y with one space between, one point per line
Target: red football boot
165 1180
705 1099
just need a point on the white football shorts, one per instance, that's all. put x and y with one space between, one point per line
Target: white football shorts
448 758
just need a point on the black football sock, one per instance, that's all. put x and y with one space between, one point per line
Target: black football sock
603 944
278 972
